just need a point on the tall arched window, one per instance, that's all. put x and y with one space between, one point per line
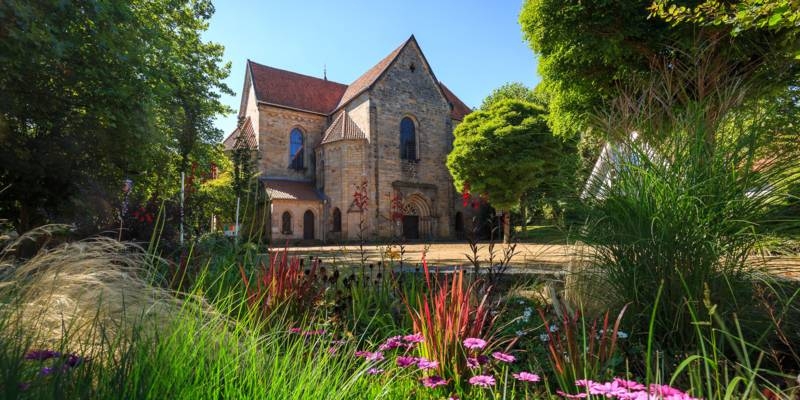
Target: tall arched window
286 223
296 153
408 140
337 220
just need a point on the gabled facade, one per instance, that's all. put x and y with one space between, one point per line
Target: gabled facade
386 135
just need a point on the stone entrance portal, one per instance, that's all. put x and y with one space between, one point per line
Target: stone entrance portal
416 218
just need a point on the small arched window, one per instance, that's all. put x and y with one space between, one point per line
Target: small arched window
408 140
337 220
286 223
296 153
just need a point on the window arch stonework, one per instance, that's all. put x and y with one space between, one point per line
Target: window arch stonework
408 139
297 149
286 223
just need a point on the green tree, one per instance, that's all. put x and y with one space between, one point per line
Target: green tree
588 50
503 152
513 90
95 91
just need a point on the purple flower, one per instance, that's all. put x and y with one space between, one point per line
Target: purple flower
374 371
504 357
46 371
482 380
433 381
415 338
472 363
483 360
23 386
405 361
41 355
391 343
474 343
527 377
73 360
376 356
425 364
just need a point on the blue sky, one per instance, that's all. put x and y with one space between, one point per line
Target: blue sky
472 46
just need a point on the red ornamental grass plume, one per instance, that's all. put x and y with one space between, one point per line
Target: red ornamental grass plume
284 282
445 314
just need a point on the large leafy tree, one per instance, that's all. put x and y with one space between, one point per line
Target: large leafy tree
503 152
588 50
96 90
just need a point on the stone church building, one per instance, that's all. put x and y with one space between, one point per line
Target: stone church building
367 158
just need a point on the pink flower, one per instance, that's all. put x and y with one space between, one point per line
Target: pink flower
474 343
504 357
376 356
472 363
425 364
374 371
572 396
527 377
482 380
630 385
433 381
415 338
405 361
363 353
295 330
314 333
608 389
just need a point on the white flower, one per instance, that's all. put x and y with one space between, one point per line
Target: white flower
622 335
520 333
544 337
553 328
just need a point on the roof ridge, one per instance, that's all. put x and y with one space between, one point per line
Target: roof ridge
294 73
367 79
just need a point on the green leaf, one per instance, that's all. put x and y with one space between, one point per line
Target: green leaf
775 19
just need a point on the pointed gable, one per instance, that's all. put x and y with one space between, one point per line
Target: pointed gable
366 80
458 110
292 90
242 136
343 128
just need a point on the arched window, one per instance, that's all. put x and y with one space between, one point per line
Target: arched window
296 153
286 223
408 140
337 220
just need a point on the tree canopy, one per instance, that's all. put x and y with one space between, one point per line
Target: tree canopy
513 90
588 50
504 151
95 91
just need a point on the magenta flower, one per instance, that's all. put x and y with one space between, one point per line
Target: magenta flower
374 371
425 364
295 330
363 353
314 333
474 343
608 389
391 343
527 377
482 380
415 338
405 361
376 356
433 381
472 363
504 357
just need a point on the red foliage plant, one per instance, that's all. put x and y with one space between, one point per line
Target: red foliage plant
284 283
445 314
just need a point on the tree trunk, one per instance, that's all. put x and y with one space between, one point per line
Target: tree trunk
506 226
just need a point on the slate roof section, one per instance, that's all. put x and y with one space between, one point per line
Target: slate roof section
280 189
458 110
296 91
245 135
343 128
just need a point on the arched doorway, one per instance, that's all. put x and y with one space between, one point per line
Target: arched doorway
308 225
416 218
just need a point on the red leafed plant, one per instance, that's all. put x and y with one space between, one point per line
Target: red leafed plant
445 314
284 283
579 349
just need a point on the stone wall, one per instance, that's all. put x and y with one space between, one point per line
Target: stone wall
296 209
408 89
344 163
275 125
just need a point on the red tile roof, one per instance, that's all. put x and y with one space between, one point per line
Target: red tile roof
279 189
368 78
242 136
293 90
302 92
458 110
343 128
